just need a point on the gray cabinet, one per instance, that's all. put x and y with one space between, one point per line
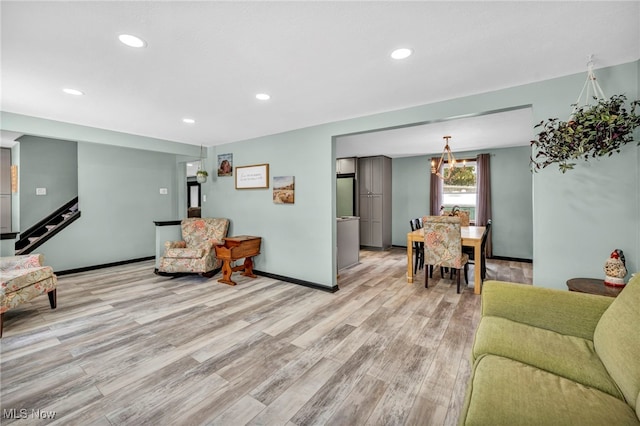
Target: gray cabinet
374 185
345 166
348 242
371 174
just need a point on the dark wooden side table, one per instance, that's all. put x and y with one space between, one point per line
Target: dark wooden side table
592 286
234 248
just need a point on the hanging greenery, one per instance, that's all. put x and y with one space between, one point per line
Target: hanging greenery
592 131
201 174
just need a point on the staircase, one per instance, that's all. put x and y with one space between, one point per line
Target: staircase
42 231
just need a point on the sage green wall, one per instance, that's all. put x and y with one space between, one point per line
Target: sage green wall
46 163
119 194
299 239
512 203
35 126
637 205
296 238
578 218
119 177
511 197
7 247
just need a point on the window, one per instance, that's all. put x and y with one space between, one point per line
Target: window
461 188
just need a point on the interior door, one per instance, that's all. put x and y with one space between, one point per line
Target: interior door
194 199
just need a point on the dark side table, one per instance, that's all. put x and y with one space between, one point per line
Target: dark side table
592 286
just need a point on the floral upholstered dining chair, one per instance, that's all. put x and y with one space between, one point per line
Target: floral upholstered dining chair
443 245
196 252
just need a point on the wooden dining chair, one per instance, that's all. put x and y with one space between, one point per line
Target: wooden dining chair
483 244
418 247
443 246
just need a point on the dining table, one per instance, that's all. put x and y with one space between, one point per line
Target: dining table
471 237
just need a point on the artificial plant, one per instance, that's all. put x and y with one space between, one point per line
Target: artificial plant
593 130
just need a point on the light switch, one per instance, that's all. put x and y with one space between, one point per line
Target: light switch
204 198
164 191
41 191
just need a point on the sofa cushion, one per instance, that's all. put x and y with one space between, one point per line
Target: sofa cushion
184 253
507 392
198 230
617 340
568 356
565 312
14 280
13 299
9 263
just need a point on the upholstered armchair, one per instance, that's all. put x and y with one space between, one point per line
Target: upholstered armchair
23 278
195 253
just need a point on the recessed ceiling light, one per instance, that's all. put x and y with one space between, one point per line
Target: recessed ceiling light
74 92
131 40
189 120
263 96
401 53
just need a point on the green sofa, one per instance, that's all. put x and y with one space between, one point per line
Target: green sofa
553 357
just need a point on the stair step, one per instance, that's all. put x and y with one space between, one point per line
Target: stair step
46 229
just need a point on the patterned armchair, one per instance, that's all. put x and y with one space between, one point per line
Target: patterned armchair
195 253
23 278
443 245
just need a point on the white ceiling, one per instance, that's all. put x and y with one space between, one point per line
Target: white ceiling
491 130
320 61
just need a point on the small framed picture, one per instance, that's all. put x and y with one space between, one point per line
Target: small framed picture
225 165
252 177
283 189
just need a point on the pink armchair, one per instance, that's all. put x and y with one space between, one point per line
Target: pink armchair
23 278
195 253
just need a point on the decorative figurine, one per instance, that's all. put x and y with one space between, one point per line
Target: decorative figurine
615 270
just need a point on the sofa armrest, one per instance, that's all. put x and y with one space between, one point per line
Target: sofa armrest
24 261
174 244
215 242
565 312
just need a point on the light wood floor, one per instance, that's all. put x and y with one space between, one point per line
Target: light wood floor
126 346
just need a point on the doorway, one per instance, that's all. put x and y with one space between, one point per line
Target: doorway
194 199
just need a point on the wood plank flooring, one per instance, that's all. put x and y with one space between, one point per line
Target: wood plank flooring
128 347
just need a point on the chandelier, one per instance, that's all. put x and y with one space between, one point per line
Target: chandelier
450 159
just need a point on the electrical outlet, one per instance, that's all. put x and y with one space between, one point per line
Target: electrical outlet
164 191
41 191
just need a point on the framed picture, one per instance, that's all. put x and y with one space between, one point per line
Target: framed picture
14 178
225 165
251 177
283 189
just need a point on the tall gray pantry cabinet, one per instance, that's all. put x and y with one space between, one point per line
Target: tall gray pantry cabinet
374 189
